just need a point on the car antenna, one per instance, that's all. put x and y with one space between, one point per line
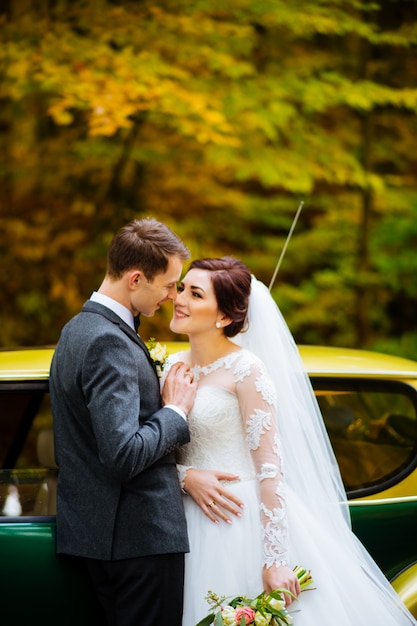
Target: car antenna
271 284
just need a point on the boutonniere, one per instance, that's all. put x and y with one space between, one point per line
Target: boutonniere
158 354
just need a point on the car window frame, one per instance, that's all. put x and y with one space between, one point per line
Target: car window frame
349 383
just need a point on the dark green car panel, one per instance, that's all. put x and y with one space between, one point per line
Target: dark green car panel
37 585
388 530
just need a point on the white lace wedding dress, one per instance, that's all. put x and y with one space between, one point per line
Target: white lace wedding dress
233 429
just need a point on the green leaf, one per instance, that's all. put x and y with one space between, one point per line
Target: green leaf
219 619
207 621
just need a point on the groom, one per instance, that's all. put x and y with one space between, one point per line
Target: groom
119 505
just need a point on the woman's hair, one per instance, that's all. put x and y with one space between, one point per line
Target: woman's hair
146 245
231 281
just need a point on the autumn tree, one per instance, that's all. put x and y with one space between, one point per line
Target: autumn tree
217 120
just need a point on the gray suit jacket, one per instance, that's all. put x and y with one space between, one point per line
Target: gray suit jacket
118 491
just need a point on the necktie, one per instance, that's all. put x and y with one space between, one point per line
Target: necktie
136 321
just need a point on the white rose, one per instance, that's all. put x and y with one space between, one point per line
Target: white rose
228 615
262 620
278 605
159 352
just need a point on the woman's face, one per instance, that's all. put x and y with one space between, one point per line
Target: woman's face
195 307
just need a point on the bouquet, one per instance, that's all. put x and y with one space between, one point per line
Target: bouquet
267 609
158 354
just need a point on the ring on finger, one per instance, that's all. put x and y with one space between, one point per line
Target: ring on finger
211 504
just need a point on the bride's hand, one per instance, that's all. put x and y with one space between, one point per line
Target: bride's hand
209 493
275 577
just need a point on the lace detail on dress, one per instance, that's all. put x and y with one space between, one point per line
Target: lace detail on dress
242 370
257 424
233 429
224 361
182 471
266 388
275 536
267 471
277 448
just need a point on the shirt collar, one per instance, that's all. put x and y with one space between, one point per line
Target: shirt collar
120 310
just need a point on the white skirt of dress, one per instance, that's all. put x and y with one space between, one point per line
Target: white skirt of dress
227 559
224 558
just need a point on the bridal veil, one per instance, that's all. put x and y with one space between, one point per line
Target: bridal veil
310 467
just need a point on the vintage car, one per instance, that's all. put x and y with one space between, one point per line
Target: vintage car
369 404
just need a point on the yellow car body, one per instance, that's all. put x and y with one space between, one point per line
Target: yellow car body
369 404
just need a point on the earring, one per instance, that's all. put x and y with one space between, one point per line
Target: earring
218 325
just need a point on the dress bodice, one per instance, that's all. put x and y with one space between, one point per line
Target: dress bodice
217 434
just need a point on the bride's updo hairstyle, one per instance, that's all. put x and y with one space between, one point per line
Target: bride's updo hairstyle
231 281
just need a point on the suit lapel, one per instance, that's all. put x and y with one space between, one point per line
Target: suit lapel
96 307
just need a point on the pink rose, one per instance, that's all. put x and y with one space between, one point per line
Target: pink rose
246 612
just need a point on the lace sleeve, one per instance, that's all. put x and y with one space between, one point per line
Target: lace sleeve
257 402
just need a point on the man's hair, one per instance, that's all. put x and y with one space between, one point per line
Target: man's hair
146 245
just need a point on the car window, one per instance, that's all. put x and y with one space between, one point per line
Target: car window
372 426
373 429
28 471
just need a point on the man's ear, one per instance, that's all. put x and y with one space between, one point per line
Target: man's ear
134 278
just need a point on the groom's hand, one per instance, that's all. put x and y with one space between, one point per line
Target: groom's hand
179 387
209 493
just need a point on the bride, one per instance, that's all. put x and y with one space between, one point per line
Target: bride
262 488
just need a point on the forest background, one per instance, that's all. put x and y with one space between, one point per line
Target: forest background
217 118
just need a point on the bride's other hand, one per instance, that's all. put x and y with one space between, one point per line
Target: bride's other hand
209 493
275 577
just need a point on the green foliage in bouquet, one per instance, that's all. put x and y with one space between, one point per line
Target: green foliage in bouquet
266 609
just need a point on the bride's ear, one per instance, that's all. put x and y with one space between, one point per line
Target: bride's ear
223 321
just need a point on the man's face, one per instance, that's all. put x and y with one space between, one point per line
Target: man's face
151 294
